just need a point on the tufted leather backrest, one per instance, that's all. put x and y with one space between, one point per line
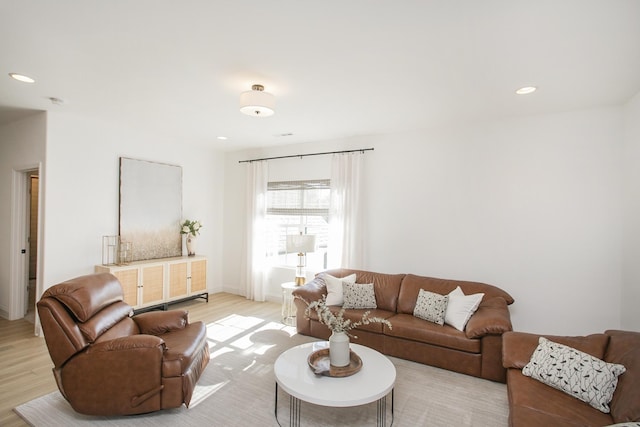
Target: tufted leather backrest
412 284
86 295
76 313
386 286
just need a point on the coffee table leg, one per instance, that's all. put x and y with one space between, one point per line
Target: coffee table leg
382 410
294 411
275 406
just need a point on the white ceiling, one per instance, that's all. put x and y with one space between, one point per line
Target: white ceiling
338 68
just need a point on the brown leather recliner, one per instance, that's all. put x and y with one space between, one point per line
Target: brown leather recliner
107 362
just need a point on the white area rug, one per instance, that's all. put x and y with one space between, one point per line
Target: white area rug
238 389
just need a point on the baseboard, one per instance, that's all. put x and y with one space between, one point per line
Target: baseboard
275 298
231 290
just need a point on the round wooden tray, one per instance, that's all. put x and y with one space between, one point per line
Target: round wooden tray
319 361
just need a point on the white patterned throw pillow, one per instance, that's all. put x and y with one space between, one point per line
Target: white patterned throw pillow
574 372
431 306
359 295
334 287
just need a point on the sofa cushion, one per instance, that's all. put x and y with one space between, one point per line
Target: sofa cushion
335 287
386 286
461 307
578 374
624 348
359 295
517 347
412 328
532 403
411 285
104 320
355 315
431 307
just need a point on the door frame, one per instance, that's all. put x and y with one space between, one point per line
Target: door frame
19 262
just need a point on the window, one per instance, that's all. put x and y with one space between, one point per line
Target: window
294 207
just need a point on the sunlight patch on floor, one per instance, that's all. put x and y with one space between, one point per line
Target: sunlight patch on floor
240 322
201 392
220 352
249 366
222 333
251 335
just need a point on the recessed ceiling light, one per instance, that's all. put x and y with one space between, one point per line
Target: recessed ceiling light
21 78
526 90
222 138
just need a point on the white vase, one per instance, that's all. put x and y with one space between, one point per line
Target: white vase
339 349
191 244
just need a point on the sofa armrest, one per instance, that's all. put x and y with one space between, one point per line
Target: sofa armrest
491 318
160 322
517 348
302 297
310 291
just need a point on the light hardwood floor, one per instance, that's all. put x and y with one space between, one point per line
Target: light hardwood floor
25 366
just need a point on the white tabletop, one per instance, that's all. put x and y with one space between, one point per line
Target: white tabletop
374 381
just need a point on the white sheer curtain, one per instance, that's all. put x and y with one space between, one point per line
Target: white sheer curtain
346 212
256 244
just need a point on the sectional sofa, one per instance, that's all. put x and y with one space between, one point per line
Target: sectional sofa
533 403
476 350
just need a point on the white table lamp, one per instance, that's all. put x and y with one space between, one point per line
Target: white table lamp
301 244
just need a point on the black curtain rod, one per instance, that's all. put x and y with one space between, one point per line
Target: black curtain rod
362 150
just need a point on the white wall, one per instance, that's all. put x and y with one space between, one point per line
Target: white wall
82 178
22 146
631 219
532 205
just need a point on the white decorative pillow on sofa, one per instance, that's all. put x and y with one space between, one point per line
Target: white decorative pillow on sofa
334 287
431 306
574 372
460 307
359 295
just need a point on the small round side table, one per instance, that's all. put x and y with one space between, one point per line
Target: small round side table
288 307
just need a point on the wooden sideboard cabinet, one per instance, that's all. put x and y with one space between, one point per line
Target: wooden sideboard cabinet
158 282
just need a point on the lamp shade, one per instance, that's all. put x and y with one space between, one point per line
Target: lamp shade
257 103
301 243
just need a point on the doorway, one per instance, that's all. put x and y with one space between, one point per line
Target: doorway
26 246
32 239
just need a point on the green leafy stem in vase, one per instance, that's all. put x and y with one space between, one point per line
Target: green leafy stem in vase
190 227
336 321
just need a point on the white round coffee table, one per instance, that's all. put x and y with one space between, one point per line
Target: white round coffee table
372 383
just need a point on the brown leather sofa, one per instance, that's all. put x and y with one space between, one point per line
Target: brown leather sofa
108 363
532 403
477 351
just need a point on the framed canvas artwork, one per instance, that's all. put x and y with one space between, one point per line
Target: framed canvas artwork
150 208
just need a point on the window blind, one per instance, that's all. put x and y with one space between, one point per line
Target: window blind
309 197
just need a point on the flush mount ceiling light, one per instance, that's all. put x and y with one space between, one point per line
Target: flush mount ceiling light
21 78
526 90
256 102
